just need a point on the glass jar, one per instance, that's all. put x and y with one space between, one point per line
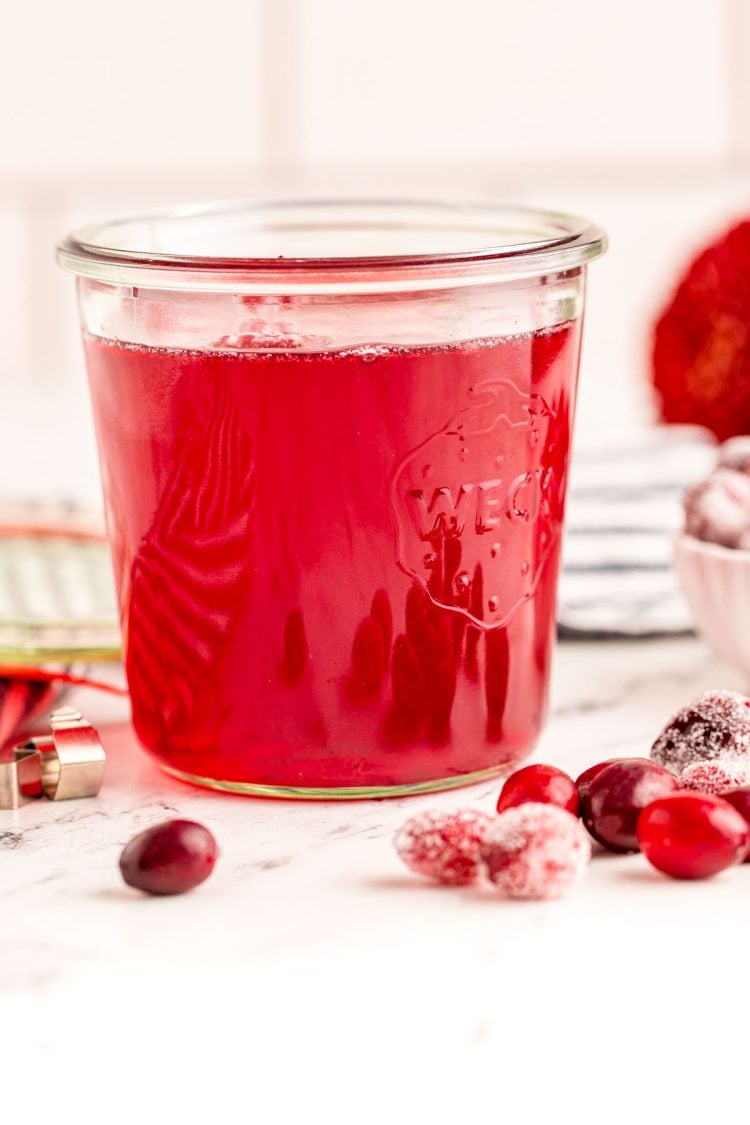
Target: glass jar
334 441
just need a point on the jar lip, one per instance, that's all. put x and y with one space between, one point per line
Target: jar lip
268 243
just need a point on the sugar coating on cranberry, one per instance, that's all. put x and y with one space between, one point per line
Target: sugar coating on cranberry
718 509
546 785
735 454
715 725
444 845
535 851
715 776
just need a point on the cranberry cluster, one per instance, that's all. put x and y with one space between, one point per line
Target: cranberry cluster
686 808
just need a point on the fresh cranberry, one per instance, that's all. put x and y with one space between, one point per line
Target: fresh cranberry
544 784
614 799
535 851
740 799
444 845
169 858
583 781
692 835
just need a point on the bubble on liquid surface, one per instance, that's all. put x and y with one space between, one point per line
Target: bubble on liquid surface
493 603
461 583
370 354
430 560
525 568
494 550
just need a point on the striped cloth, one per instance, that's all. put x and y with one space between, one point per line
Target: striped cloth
57 601
624 507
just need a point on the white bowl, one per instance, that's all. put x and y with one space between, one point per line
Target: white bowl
716 584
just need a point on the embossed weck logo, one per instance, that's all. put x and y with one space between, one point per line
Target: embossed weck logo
482 497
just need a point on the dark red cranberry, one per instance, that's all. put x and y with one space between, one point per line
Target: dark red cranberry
740 799
615 797
545 785
584 779
692 835
169 858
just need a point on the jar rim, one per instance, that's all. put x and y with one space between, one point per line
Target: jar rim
329 245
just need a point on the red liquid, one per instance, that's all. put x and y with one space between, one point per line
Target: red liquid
337 569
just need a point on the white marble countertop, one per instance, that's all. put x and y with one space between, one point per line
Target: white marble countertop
313 975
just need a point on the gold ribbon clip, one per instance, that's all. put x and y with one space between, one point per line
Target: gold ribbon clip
71 759
20 778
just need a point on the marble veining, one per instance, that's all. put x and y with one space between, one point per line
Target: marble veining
309 907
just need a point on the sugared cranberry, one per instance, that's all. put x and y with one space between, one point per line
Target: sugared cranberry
715 725
715 776
535 851
718 509
546 785
616 796
692 835
169 858
735 454
740 800
444 845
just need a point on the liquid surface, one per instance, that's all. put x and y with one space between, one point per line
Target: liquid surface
337 569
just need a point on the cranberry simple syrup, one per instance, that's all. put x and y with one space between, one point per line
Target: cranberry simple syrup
333 437
336 568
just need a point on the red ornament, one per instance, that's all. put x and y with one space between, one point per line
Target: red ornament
543 784
701 343
692 835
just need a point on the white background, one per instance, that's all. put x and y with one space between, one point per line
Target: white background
637 115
